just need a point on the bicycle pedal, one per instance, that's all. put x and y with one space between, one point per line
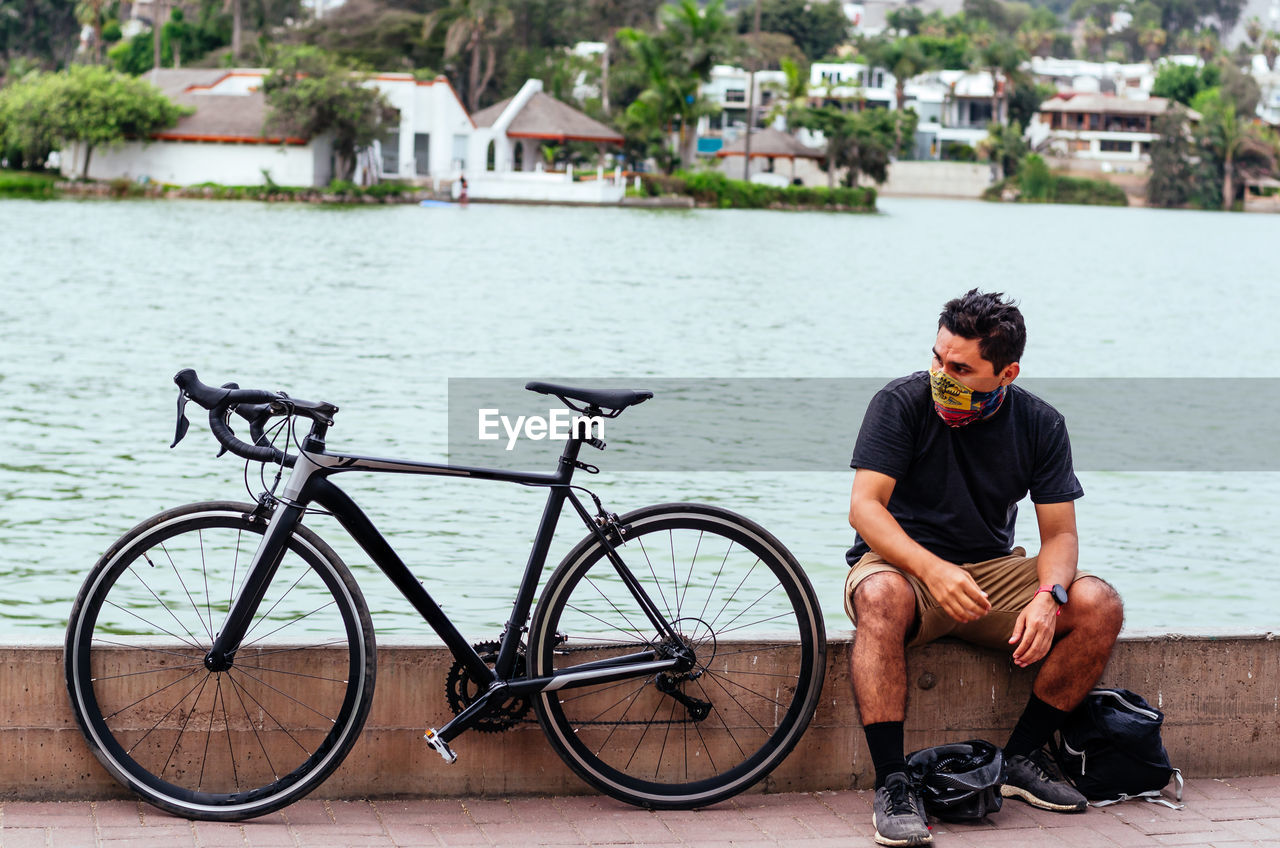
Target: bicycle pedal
441 747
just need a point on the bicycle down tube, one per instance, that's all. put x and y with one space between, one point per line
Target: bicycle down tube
309 484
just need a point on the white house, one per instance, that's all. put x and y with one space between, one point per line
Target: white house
504 159
224 140
729 88
1104 129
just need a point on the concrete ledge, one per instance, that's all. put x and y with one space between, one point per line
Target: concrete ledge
1221 697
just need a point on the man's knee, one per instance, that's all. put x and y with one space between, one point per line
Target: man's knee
885 597
1097 605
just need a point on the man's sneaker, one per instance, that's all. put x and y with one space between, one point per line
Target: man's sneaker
899 813
1037 780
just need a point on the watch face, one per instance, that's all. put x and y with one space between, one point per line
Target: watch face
1059 594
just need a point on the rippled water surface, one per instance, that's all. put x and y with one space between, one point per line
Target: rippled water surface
375 308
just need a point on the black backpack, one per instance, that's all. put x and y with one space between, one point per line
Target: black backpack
1110 748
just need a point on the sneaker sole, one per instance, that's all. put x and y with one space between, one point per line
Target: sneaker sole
927 839
1008 791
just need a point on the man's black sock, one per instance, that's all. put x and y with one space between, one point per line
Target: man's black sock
1038 722
884 738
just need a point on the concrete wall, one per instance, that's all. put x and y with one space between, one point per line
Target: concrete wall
1220 696
937 179
189 162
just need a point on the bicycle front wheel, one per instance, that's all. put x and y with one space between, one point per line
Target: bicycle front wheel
739 600
234 743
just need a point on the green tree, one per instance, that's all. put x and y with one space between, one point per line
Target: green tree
1002 58
816 28
1171 176
675 62
310 94
902 57
1004 147
1183 82
1233 143
92 13
43 32
473 29
86 104
862 142
1152 40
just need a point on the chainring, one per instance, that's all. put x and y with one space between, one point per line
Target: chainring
461 691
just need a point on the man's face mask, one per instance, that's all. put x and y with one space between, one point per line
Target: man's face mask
957 404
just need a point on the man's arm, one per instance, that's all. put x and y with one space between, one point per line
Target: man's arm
1059 553
951 586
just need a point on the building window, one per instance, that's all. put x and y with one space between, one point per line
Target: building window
422 154
1112 146
735 95
391 153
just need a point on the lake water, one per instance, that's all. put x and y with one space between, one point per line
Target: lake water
376 308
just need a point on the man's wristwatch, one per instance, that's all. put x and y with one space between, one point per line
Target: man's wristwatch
1056 591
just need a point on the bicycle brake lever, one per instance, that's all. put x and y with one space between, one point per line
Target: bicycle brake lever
226 416
180 428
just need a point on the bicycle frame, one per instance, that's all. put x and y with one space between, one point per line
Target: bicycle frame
309 484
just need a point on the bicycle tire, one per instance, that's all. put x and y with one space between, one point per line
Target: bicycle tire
739 597
225 745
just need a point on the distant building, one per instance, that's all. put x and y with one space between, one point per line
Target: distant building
1099 128
505 161
728 89
224 140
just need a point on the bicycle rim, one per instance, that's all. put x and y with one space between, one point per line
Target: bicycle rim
230 744
739 599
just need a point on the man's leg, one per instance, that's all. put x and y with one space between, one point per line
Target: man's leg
885 605
886 609
1087 631
1085 636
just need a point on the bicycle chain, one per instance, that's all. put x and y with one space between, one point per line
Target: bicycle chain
509 721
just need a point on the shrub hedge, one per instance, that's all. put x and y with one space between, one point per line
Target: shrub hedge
711 188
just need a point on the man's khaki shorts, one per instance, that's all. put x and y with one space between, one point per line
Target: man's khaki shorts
1010 583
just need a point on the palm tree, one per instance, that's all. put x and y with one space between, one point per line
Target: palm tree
902 57
1092 34
792 102
1270 48
1153 40
473 28
236 8
1035 41
1233 138
90 13
679 59
1253 30
1002 58
1206 44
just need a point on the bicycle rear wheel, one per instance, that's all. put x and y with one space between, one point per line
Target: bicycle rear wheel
739 600
218 745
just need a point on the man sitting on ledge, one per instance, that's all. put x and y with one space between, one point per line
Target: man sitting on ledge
942 459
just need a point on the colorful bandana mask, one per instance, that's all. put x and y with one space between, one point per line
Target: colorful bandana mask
957 404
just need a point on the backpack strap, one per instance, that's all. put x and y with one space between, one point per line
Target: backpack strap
1151 796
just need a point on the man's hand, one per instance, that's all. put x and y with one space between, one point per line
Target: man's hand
1033 632
957 592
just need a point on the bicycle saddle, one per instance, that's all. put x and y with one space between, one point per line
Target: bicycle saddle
616 399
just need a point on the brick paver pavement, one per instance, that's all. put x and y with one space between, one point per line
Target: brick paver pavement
1226 813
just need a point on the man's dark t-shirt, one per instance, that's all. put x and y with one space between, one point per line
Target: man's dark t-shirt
958 488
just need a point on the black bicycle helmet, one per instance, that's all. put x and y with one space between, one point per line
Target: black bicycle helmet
960 781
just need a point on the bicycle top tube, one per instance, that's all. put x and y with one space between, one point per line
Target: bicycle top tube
257 406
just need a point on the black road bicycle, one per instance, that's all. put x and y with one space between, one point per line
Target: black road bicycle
220 657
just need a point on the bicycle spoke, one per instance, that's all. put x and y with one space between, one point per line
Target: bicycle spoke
235 687
194 606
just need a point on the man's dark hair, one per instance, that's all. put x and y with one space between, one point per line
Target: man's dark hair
995 322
